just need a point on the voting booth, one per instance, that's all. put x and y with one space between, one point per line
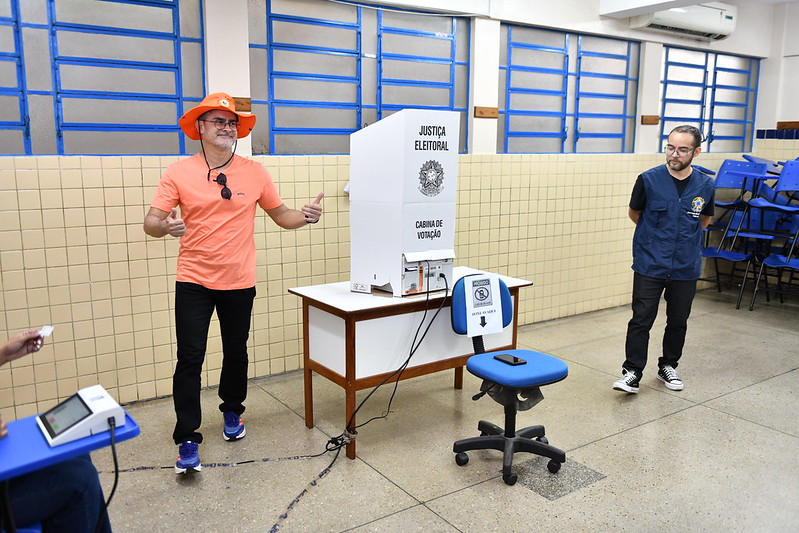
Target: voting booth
403 177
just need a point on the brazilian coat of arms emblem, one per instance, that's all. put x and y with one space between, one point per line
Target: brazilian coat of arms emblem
431 178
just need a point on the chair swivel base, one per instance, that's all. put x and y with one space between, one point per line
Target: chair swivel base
492 437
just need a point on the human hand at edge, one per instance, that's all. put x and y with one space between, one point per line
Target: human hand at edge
21 344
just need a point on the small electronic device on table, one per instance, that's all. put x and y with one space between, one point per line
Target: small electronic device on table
83 414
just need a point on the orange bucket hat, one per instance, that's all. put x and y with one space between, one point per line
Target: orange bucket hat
223 101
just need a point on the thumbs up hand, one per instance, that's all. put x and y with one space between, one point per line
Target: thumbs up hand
175 225
313 211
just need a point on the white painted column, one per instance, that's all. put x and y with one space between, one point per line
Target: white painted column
649 100
484 84
778 72
227 53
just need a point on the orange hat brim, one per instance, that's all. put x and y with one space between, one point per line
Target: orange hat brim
222 101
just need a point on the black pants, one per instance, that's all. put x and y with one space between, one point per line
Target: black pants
194 305
679 296
65 498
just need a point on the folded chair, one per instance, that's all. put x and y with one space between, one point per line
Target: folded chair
738 178
516 387
747 238
773 167
786 262
784 202
784 196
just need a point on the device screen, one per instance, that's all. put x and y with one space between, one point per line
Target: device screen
510 359
65 415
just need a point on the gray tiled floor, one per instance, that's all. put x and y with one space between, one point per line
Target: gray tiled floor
719 456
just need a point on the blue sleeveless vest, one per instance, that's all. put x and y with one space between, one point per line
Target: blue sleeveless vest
667 243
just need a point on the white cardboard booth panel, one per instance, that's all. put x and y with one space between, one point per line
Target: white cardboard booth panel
403 188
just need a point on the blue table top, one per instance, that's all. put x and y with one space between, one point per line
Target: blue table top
25 449
773 167
754 175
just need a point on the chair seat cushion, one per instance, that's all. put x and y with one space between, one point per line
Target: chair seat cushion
781 261
540 368
765 204
715 253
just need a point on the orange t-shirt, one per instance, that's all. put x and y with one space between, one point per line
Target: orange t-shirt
218 249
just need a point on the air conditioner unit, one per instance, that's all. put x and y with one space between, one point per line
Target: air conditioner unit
711 21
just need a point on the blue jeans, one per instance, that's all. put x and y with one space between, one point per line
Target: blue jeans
194 306
64 497
679 295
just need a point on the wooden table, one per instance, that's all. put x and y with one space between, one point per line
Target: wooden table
356 340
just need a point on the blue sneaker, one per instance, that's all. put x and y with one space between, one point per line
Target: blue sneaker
234 426
188 458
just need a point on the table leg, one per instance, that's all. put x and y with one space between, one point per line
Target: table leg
308 381
459 377
350 419
306 359
350 379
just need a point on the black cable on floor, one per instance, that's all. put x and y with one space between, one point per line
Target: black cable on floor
334 444
112 423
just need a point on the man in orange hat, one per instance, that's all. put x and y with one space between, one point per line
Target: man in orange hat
216 260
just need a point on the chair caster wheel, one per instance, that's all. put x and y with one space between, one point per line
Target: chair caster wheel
510 479
543 440
461 459
553 466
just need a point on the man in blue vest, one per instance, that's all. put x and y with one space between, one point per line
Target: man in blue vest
670 205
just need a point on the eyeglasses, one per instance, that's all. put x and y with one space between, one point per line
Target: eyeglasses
220 123
682 150
222 180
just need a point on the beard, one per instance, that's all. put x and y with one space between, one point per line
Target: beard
224 141
677 165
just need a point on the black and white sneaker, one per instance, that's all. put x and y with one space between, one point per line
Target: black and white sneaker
669 377
628 382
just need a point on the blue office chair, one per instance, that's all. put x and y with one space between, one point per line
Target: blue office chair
516 387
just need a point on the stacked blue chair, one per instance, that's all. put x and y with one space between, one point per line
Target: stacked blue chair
725 251
738 179
741 178
785 203
773 167
516 387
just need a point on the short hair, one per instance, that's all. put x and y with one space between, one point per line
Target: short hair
685 128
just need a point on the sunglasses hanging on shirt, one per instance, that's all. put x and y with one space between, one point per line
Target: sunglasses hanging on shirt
222 180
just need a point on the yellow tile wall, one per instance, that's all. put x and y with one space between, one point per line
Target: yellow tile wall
73 254
777 149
